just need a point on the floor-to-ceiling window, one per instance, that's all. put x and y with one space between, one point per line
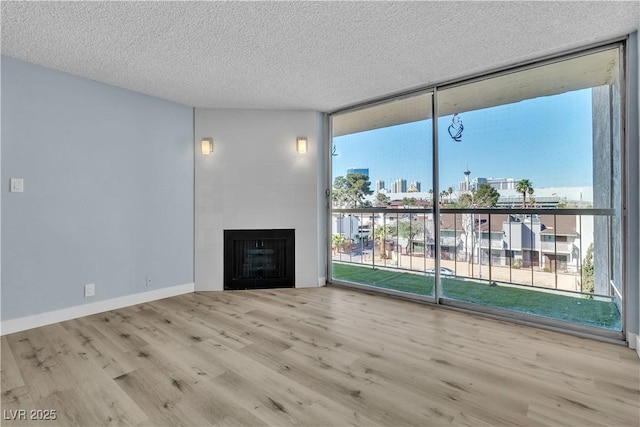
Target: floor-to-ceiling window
382 229
510 205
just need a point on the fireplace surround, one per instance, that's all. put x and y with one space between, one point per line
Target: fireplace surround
259 259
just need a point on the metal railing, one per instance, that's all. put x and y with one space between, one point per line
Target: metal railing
404 239
495 244
564 247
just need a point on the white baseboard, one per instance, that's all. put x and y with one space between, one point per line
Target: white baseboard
310 284
634 342
322 281
37 320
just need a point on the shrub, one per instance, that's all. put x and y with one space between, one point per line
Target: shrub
587 271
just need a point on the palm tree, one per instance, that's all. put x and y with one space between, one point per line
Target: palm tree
443 194
380 234
450 192
523 186
531 200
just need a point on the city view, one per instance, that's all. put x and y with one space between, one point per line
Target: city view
497 143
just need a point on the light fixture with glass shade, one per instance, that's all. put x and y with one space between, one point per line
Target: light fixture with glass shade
207 146
301 145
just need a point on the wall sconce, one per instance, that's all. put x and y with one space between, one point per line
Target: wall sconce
301 145
207 146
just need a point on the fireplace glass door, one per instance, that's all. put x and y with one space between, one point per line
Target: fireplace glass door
258 259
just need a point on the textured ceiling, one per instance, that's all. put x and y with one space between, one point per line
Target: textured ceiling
297 55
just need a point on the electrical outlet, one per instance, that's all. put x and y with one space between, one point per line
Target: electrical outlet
148 281
17 185
89 290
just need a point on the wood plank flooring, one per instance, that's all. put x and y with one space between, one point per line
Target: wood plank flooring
317 357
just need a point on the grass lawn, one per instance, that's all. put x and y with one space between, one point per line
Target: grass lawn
576 309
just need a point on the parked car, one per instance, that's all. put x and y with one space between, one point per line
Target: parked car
443 272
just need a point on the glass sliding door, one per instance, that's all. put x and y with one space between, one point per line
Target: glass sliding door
382 196
517 214
530 161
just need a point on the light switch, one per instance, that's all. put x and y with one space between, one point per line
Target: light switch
17 185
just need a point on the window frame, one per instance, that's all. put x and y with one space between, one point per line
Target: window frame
624 75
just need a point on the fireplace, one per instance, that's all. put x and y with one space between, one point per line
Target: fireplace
259 259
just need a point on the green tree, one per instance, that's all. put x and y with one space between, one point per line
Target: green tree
450 192
380 235
523 187
409 201
443 194
339 194
409 229
350 191
531 199
337 239
465 200
486 196
382 200
587 271
381 232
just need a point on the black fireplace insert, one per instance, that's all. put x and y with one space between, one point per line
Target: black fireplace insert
259 259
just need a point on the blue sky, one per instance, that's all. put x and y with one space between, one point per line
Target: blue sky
547 140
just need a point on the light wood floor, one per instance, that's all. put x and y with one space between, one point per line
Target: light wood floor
321 357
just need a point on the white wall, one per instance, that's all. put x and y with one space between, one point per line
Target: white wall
637 182
636 203
255 179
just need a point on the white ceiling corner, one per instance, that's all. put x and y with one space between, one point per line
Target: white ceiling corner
297 55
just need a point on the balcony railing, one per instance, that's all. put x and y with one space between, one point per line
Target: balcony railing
495 244
503 259
403 239
558 247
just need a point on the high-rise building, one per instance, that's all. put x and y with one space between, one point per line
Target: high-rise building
364 171
414 187
477 182
502 183
379 185
399 186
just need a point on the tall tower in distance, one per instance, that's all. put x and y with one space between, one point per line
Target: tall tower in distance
465 186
